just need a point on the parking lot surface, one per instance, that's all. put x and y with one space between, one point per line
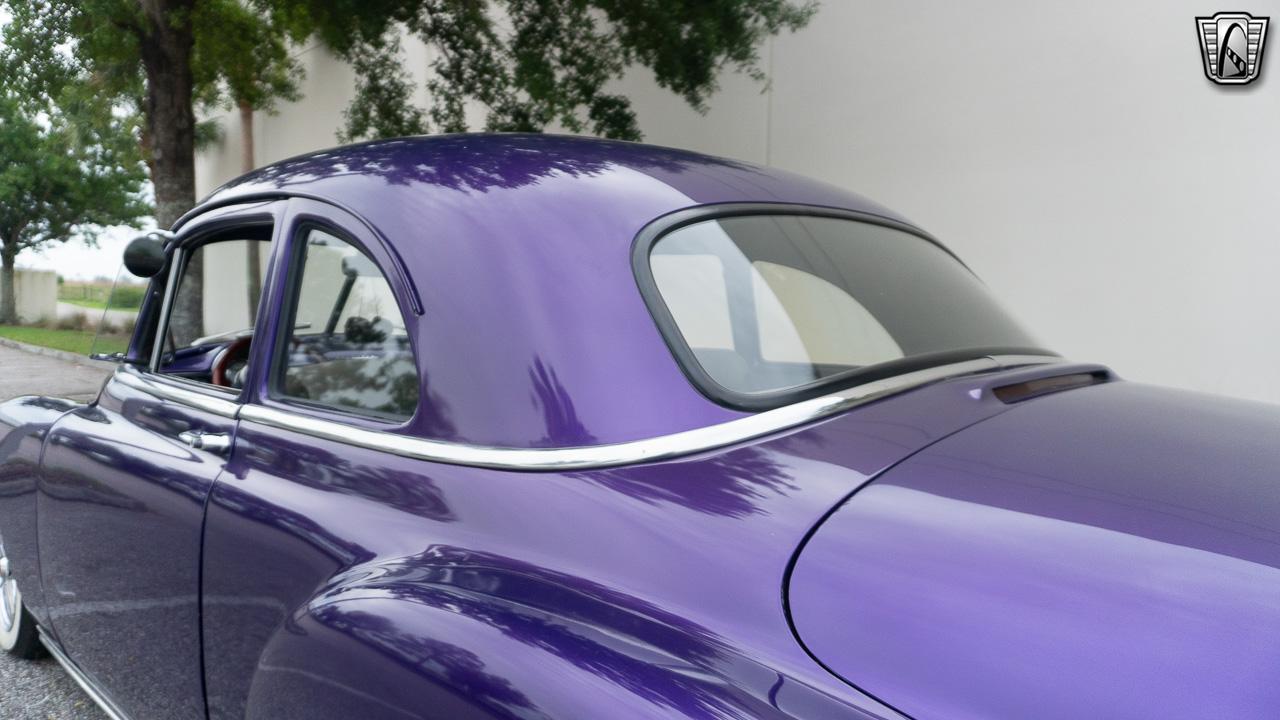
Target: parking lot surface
40 690
23 372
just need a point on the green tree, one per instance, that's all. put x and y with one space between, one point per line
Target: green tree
163 59
245 64
242 62
528 64
60 179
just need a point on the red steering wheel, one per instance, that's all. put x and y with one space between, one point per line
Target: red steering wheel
236 351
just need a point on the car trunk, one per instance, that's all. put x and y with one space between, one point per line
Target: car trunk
1111 551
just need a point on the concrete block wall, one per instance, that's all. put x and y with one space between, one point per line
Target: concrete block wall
37 294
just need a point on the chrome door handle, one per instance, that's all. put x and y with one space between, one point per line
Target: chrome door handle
209 442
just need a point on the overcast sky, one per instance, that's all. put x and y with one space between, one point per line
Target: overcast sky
74 260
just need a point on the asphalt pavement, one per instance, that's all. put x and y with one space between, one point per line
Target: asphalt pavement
40 690
38 371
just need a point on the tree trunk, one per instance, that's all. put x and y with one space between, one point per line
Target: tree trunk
171 121
166 58
8 288
246 137
246 165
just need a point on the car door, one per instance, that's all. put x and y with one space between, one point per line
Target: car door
125 479
337 351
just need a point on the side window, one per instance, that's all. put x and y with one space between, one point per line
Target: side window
213 310
348 348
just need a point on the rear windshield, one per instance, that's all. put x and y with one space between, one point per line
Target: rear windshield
763 305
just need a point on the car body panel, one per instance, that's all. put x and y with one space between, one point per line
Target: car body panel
1112 551
519 247
24 425
658 582
120 515
120 512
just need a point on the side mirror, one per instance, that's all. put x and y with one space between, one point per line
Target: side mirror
144 256
357 265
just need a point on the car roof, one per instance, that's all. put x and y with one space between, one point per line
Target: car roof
475 164
533 331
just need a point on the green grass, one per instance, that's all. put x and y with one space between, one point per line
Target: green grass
100 304
91 304
75 341
94 296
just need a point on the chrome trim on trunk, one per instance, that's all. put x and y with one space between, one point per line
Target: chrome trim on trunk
85 682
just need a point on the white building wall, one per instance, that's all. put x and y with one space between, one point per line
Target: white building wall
226 289
1073 153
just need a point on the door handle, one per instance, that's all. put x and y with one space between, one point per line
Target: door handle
209 442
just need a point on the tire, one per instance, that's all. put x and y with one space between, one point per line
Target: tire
19 635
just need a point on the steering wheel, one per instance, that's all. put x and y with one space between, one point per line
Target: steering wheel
237 351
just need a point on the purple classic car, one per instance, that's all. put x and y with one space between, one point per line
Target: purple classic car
551 428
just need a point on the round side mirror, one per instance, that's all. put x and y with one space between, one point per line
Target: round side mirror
144 256
358 265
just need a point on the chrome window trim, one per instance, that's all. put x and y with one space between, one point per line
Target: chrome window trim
665 447
85 682
169 390
166 307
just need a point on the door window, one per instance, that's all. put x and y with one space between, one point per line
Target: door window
214 308
348 347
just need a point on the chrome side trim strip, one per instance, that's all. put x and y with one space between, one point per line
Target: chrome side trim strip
84 681
664 447
135 379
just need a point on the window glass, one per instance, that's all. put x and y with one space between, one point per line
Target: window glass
348 348
698 298
804 318
116 321
772 303
213 311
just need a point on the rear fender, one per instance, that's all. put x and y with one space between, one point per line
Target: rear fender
461 635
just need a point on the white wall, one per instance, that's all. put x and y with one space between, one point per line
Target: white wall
36 293
226 287
300 127
1073 153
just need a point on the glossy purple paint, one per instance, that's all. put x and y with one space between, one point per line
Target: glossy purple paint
306 578
519 247
1107 552
120 508
641 582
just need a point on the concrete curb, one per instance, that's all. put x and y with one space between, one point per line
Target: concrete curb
59 354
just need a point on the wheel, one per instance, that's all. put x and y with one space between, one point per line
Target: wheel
18 634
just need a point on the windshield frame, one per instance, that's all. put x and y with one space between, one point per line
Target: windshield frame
686 359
